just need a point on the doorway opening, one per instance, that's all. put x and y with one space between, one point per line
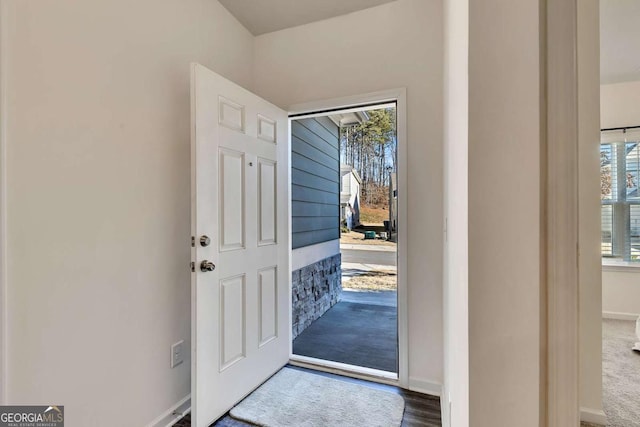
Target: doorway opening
345 222
620 216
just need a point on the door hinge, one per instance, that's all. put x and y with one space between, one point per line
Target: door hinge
193 267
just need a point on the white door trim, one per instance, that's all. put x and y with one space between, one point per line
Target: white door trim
3 205
400 97
560 208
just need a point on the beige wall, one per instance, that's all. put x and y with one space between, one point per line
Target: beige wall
336 58
98 133
619 106
504 213
98 177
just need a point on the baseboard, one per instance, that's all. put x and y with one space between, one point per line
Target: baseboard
619 316
431 388
173 414
593 416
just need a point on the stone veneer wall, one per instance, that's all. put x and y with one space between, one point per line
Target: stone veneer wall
315 289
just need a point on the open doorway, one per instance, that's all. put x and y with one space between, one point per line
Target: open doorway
620 211
345 222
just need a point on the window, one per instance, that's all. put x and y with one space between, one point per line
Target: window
620 195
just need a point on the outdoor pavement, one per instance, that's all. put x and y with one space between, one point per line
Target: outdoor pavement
373 256
382 298
365 247
351 269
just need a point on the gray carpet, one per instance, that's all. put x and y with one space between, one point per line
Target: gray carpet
299 399
620 374
356 334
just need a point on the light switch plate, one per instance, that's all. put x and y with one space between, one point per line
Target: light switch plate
177 353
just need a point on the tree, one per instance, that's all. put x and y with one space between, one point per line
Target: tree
605 175
370 147
606 180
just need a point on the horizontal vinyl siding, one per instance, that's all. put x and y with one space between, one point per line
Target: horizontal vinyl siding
303 224
312 167
311 195
315 181
307 179
309 238
304 209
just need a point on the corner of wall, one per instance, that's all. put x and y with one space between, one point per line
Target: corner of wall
420 385
590 272
173 414
3 208
593 416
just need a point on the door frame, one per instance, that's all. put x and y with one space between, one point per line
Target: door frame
399 96
560 399
3 204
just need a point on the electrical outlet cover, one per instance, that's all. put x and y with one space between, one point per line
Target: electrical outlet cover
177 353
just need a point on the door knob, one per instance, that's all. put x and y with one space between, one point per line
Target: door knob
207 266
205 241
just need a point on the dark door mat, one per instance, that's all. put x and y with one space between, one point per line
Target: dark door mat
357 334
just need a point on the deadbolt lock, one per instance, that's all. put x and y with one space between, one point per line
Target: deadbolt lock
207 266
205 241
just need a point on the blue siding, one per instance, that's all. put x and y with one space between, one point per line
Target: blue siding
315 181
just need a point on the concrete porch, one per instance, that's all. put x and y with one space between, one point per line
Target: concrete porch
361 329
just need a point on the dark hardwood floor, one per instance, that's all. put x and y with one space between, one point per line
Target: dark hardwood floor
420 409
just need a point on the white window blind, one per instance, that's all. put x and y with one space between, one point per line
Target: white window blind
620 194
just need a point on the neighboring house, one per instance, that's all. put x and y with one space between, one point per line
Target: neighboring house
350 183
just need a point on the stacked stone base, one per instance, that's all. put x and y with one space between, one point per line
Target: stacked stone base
315 289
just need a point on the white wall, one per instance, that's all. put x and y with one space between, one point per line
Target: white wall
619 107
621 292
504 213
336 58
456 195
98 133
590 275
308 255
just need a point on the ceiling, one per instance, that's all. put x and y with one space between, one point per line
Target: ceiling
265 16
619 40
619 26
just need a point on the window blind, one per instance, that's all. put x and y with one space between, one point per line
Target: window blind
620 194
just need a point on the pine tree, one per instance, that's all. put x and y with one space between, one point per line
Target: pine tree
370 147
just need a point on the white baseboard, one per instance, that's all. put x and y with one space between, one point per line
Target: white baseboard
593 416
173 414
619 316
432 388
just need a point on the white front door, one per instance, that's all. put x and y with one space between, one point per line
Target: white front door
240 223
